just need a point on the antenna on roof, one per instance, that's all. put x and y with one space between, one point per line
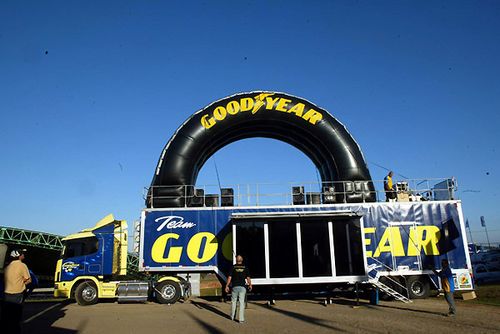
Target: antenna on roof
387 169
218 177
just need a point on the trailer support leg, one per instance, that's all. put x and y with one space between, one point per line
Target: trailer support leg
329 299
271 301
357 294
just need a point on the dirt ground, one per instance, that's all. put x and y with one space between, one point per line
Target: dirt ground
287 316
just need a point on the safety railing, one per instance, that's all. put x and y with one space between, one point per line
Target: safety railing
300 193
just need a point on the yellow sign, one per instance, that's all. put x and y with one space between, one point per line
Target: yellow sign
421 238
253 105
201 248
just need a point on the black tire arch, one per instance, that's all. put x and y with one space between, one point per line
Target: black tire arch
280 116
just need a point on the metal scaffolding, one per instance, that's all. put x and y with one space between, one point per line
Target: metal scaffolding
30 238
132 263
16 236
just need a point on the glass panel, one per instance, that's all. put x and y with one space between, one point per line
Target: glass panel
283 259
348 247
80 247
250 245
316 260
356 244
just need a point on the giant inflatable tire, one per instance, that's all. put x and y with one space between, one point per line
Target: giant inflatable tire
261 114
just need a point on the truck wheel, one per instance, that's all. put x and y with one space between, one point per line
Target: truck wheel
86 294
168 292
418 287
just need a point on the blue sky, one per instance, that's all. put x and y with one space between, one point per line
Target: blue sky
90 92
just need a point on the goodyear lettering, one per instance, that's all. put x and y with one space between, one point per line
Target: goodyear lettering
391 241
201 248
227 247
233 108
207 122
246 104
282 104
256 104
297 109
426 238
199 254
220 113
259 102
160 245
270 102
421 238
312 116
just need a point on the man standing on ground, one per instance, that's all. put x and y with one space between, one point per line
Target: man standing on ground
448 286
16 277
390 194
238 279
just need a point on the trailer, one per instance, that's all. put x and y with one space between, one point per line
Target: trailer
313 244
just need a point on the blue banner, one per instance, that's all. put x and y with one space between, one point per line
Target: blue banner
401 236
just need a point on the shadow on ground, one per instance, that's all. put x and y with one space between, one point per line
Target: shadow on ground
211 308
308 319
208 328
40 318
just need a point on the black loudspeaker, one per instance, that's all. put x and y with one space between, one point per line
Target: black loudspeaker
349 187
298 196
211 200
227 196
329 195
313 198
197 199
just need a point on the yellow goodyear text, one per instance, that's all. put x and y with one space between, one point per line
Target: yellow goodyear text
201 248
263 101
420 239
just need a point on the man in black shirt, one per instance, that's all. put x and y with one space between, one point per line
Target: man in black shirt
239 277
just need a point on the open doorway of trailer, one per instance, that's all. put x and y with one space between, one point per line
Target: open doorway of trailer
291 248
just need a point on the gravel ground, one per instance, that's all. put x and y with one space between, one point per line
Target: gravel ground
287 316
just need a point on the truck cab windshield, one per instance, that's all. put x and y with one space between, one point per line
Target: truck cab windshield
80 247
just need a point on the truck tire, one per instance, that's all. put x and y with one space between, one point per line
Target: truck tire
168 292
86 293
418 287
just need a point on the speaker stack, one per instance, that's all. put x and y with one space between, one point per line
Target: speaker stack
227 197
197 199
298 196
313 198
329 195
211 200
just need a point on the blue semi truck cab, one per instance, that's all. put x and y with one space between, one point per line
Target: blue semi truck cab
93 265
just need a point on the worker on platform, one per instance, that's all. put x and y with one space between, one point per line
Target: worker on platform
390 191
16 277
448 286
238 280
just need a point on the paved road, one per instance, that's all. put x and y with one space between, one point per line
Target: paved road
288 316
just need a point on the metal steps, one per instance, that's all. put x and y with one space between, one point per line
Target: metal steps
375 281
391 292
